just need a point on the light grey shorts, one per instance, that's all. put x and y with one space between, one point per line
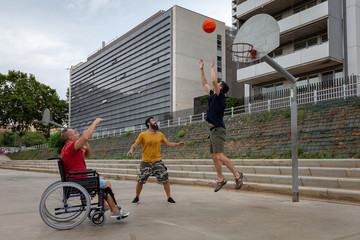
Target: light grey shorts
102 183
217 139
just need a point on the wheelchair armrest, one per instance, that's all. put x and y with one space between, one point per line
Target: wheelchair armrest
88 171
54 158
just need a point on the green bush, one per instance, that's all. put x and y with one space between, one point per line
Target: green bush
33 138
181 133
128 133
55 141
8 139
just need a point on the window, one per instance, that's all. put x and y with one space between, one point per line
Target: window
278 52
301 82
324 38
312 41
313 79
268 89
278 17
219 64
304 6
299 8
305 43
257 91
310 4
219 42
327 76
339 74
279 86
299 45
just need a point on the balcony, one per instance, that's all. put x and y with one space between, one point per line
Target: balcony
299 62
248 9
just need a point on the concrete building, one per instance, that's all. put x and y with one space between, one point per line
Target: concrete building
152 70
319 40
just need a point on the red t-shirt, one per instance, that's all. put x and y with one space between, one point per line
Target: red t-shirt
74 161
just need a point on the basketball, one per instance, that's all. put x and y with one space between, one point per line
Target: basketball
209 25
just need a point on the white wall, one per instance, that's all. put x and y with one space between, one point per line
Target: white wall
353 36
190 43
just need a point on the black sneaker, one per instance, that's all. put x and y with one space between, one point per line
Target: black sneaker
171 201
135 201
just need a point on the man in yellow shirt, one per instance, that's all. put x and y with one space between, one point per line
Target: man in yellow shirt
151 162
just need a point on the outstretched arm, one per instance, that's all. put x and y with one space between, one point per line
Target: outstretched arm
171 144
132 148
87 134
214 79
203 78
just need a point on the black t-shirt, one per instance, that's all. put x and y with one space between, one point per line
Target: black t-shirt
216 109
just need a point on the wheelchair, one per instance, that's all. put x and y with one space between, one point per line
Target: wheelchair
67 203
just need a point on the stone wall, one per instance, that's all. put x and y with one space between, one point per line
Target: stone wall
326 130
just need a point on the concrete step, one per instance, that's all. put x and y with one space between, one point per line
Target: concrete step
269 170
331 163
322 193
306 181
337 179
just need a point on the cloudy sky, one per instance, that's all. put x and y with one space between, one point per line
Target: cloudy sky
46 37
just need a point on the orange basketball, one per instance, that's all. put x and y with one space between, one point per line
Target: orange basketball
209 25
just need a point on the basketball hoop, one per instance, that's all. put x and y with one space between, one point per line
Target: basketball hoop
243 52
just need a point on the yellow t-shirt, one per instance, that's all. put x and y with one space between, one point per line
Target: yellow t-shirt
151 145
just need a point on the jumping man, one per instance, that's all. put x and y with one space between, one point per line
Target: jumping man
215 116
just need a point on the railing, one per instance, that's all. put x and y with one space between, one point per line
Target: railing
314 93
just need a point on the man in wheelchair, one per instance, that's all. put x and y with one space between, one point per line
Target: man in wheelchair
73 155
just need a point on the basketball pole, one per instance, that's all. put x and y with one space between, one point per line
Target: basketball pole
56 124
294 127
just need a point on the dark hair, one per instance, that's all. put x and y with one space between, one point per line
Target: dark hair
65 134
224 87
148 121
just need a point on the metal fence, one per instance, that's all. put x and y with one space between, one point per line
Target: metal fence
313 93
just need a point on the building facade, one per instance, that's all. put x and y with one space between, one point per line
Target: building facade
152 70
319 40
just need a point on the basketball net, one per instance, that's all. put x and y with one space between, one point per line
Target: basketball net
242 52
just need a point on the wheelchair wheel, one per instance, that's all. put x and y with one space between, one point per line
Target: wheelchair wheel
98 218
64 205
54 183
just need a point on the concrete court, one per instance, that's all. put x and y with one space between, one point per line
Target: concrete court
199 214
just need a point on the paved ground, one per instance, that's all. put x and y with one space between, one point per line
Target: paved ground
199 214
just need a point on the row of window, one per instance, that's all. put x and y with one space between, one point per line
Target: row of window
219 60
127 82
299 45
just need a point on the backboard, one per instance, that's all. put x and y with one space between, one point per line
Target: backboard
257 37
46 117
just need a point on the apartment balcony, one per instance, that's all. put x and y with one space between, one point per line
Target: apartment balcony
299 62
310 22
248 9
305 23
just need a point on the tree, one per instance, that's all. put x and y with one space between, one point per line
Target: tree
23 100
229 102
56 141
8 139
33 138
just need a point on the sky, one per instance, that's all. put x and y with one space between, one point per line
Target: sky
46 37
